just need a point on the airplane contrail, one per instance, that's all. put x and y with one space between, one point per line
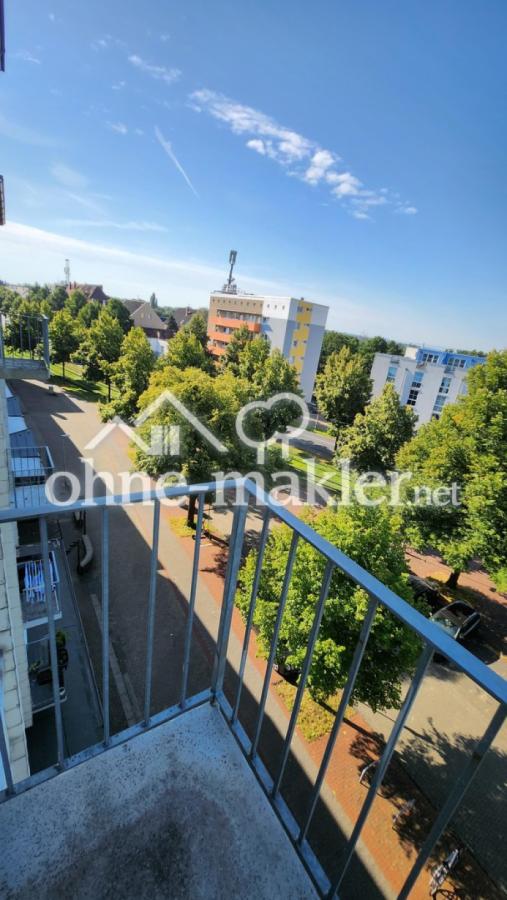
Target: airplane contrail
169 150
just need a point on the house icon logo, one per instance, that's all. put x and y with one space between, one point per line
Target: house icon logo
164 439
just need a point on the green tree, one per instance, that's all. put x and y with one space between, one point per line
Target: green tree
332 342
64 334
197 325
239 340
215 401
466 447
88 313
370 346
374 438
120 312
100 348
58 298
172 326
74 302
268 373
130 375
343 388
370 538
185 350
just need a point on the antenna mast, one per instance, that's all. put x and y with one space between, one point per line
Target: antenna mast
230 287
66 270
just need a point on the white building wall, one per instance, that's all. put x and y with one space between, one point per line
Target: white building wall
406 367
17 708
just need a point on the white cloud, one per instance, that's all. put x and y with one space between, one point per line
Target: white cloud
24 135
88 202
164 37
138 131
51 17
26 56
407 210
119 127
161 73
68 177
321 162
298 155
168 149
257 145
118 226
106 41
118 86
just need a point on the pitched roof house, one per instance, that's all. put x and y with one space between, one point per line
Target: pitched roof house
91 291
142 315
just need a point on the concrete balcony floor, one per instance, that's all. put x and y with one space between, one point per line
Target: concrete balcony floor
18 367
172 813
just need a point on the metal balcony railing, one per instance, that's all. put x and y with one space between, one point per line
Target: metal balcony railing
433 639
24 344
31 467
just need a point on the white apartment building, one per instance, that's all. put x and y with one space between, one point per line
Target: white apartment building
425 378
295 327
15 694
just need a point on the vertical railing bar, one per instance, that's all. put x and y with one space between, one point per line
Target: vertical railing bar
235 552
232 542
4 756
191 603
152 599
251 609
312 639
383 763
105 624
274 641
340 714
53 653
454 799
21 334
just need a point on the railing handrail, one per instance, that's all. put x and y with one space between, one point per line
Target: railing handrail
430 633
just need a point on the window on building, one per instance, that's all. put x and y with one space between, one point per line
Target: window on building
412 397
445 385
391 374
430 357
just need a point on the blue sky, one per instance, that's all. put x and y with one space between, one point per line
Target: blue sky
352 152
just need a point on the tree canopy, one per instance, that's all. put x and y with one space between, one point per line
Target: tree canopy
215 401
375 436
100 347
185 350
343 388
369 537
119 311
64 336
130 374
239 340
466 446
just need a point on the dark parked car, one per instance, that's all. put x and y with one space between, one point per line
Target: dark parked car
427 591
458 619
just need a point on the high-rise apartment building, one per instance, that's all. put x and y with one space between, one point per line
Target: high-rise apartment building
425 378
295 327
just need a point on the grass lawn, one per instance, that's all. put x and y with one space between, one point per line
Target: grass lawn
298 460
75 384
314 719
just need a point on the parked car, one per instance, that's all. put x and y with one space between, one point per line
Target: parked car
427 591
458 619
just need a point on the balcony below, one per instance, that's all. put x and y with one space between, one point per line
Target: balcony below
21 367
173 812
